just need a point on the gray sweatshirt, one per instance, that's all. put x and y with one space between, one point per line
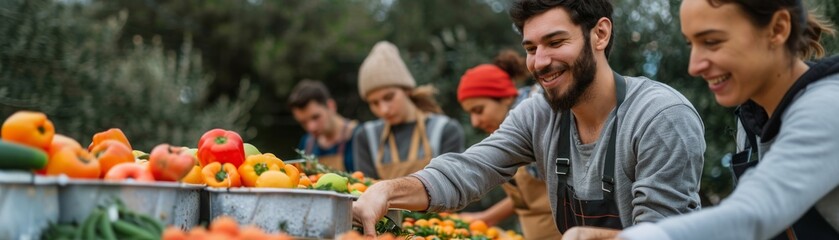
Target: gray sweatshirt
798 169
658 157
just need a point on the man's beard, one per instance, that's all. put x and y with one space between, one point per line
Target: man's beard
582 71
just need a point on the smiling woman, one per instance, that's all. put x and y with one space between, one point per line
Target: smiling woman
752 54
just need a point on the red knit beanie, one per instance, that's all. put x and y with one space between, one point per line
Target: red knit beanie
485 80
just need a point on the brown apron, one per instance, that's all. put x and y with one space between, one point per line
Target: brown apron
335 161
530 198
397 168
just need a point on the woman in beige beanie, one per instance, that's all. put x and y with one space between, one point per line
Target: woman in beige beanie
411 128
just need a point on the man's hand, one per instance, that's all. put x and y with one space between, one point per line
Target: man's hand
590 233
370 207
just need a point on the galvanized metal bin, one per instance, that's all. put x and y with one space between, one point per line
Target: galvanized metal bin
299 212
172 203
28 203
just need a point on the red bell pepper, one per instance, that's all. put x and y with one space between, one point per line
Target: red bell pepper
219 145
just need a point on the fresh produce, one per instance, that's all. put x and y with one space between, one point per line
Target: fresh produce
59 141
130 170
274 179
28 128
19 156
332 181
255 165
73 161
219 145
218 175
250 150
169 163
110 134
194 176
101 224
222 227
110 153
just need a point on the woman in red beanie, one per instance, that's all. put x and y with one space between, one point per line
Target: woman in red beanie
487 92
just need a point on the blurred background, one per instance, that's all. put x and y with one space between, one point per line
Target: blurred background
166 71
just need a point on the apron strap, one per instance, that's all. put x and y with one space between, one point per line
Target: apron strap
563 161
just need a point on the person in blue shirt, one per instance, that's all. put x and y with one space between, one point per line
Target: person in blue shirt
328 134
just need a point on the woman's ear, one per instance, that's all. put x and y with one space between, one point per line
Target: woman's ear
780 28
601 33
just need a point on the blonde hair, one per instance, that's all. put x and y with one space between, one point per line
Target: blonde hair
423 98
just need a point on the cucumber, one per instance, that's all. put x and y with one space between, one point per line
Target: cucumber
131 231
18 156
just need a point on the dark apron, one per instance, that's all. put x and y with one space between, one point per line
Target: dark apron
571 211
756 123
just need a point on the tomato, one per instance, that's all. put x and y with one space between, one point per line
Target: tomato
130 170
169 163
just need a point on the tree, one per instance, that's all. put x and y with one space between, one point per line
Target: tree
57 61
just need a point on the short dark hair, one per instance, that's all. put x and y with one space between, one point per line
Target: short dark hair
306 91
585 13
806 29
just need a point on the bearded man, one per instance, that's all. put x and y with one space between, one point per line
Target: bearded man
615 150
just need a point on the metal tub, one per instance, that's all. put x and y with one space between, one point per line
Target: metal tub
298 212
170 202
28 203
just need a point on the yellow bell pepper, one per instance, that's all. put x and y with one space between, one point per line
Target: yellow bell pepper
255 165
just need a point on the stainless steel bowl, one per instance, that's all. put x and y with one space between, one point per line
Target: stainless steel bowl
172 203
28 203
298 212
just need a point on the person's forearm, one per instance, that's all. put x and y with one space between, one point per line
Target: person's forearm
499 211
406 193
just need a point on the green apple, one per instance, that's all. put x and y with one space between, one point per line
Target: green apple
334 181
140 154
192 151
250 149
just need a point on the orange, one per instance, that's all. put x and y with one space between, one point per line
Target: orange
225 225
173 233
305 181
478 226
434 221
358 186
358 175
461 232
421 223
492 233
251 232
448 222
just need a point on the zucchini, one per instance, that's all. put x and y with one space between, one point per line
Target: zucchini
18 156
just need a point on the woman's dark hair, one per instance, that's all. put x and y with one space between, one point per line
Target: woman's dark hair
585 13
807 27
512 63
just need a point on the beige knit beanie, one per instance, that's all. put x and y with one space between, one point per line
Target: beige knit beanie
383 68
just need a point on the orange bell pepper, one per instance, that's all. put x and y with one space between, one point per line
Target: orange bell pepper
110 134
132 170
255 165
217 175
28 128
59 142
194 176
75 162
110 153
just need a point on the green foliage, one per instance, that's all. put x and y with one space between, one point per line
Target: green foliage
58 61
